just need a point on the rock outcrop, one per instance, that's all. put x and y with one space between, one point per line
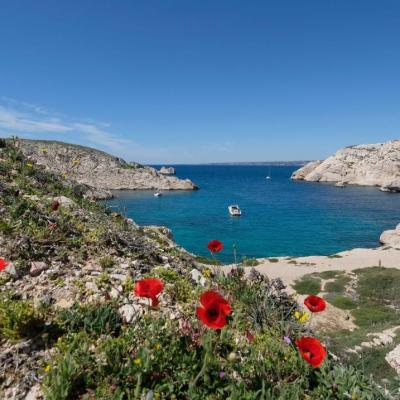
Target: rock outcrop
391 237
167 170
97 169
369 165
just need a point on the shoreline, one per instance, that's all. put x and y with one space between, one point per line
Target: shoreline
290 269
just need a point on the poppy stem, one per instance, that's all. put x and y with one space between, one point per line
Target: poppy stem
207 342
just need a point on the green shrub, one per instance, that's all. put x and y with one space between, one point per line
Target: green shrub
94 319
18 318
249 262
308 284
107 262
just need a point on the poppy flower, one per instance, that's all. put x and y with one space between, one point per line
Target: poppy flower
311 350
3 264
149 288
214 310
215 246
315 303
55 205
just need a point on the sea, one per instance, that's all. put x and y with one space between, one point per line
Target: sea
280 217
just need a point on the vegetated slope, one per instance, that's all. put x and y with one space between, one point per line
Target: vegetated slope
71 326
97 168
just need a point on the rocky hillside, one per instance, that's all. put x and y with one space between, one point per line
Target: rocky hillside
98 169
370 164
74 324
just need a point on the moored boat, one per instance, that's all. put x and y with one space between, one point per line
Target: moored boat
235 210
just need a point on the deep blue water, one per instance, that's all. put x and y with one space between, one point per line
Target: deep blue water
280 216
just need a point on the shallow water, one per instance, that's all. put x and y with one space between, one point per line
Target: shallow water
280 216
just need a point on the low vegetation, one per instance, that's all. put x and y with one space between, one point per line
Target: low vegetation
371 297
74 325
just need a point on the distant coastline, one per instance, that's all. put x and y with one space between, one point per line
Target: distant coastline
249 163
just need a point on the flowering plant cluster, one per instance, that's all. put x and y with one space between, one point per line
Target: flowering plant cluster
214 310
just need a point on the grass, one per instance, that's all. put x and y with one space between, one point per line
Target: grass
308 284
330 274
338 285
342 302
374 306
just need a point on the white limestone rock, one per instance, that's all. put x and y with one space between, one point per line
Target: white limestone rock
391 237
368 165
167 170
393 359
97 169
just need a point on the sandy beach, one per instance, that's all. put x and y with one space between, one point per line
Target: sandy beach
289 269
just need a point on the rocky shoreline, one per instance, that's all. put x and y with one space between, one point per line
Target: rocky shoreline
99 171
367 165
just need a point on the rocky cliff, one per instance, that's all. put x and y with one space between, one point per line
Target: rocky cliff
369 164
98 169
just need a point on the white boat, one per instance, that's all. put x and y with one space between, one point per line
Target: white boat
234 210
385 189
267 177
157 194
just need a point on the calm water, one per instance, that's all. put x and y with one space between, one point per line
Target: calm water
280 216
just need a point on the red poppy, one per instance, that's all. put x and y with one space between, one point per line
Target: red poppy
214 310
150 288
312 350
315 303
55 205
3 264
215 246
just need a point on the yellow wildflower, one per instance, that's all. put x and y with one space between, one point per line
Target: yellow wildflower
75 161
158 346
207 273
59 340
302 316
137 361
47 368
29 165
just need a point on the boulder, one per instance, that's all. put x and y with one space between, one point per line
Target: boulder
391 237
167 170
37 267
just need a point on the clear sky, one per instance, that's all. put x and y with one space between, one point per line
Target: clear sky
202 81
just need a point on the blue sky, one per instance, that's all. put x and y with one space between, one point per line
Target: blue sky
202 81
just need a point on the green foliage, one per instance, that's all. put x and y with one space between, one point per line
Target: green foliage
340 301
249 262
177 285
207 260
107 262
93 319
308 284
18 318
338 285
330 274
273 260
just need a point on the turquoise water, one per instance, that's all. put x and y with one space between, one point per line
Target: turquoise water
280 216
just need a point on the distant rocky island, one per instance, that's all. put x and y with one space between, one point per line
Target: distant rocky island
366 164
97 169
